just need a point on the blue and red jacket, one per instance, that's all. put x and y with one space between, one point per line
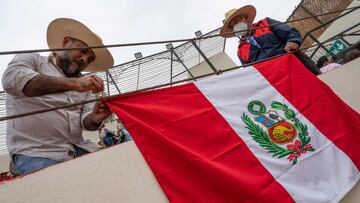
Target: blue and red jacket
267 41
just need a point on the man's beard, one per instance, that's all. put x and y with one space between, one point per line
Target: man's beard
71 67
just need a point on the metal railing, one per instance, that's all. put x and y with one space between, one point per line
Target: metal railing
164 67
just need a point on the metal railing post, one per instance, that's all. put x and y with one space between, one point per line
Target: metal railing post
112 79
320 44
177 56
171 65
138 77
204 57
107 83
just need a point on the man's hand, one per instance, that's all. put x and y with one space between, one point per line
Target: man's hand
100 112
89 82
291 46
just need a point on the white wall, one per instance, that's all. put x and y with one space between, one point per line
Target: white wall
345 82
4 162
116 174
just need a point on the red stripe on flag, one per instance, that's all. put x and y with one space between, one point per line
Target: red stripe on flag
316 101
193 152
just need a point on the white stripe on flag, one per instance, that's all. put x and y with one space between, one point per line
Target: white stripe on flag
324 175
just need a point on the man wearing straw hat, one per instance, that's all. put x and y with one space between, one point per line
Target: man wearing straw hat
33 82
263 39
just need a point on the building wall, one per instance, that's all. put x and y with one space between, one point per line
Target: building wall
344 23
338 26
308 8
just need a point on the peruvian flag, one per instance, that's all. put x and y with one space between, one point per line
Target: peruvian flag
271 132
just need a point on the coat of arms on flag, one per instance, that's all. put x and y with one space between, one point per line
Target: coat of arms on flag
284 137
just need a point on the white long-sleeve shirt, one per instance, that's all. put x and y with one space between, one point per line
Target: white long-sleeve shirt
51 134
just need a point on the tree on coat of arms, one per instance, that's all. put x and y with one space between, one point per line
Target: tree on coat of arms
284 137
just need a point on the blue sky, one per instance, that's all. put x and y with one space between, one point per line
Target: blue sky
23 23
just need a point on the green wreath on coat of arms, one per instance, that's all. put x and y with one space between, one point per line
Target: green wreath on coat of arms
283 138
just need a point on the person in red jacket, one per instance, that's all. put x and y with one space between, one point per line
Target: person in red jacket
263 39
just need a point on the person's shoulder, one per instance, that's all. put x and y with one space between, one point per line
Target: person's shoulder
271 20
265 21
28 57
258 22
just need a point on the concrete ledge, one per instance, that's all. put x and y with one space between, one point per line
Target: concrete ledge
116 174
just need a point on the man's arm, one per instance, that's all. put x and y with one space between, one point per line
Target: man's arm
21 78
285 32
43 85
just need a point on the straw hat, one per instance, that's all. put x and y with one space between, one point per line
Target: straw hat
60 28
248 11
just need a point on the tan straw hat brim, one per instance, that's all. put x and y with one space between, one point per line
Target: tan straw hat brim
248 10
60 28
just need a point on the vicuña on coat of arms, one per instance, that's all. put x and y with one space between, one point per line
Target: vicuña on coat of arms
283 137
